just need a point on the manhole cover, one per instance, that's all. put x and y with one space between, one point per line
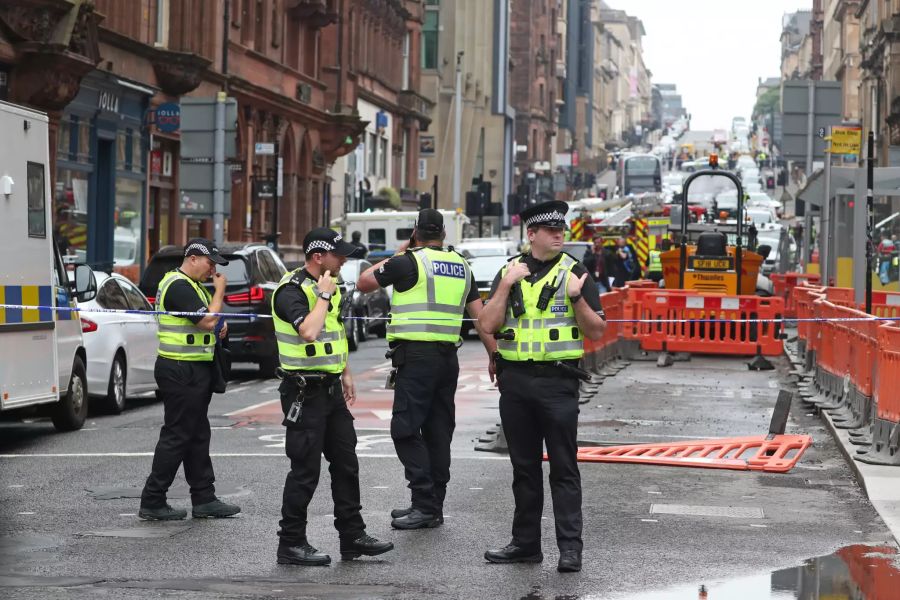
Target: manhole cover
735 512
149 532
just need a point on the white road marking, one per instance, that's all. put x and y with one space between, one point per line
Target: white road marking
25 513
384 415
16 485
88 429
476 488
380 487
127 514
251 407
654 492
649 520
760 525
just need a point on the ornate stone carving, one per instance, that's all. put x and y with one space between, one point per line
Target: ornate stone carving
334 138
318 13
49 81
178 73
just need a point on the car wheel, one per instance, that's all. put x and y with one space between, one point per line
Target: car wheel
361 324
115 392
71 410
353 338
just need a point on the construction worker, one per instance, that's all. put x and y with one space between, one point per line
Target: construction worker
316 389
433 287
541 307
185 377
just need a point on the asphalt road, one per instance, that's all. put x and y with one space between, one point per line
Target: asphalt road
68 527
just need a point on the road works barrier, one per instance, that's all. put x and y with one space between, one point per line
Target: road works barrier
783 285
852 365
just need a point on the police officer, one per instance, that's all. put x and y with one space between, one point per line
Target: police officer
654 265
184 376
433 287
316 388
542 306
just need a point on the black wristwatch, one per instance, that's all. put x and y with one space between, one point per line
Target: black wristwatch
574 299
325 295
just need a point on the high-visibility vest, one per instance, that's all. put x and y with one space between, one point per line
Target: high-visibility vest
328 353
179 338
655 264
432 310
551 334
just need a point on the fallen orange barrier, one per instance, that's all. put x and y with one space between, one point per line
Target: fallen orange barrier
770 454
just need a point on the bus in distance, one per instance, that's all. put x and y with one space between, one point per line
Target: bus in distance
640 173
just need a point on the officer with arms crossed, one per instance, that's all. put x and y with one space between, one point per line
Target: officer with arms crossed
433 287
542 306
184 375
315 391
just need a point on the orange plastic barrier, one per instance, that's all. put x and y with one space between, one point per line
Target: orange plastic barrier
887 391
753 453
802 298
886 304
745 339
784 284
872 569
613 305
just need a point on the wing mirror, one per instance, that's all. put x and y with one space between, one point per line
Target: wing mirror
85 283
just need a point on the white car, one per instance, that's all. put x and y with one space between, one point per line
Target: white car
752 187
761 216
762 200
472 247
673 182
120 347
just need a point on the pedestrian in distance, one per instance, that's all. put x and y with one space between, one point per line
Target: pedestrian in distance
595 262
433 288
316 389
355 239
541 307
185 373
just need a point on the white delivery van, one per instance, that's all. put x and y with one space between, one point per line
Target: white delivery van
385 230
42 358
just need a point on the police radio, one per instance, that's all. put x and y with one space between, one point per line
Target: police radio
516 300
547 292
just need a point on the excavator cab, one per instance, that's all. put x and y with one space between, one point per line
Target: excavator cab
711 257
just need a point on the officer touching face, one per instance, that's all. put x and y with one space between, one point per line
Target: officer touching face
184 376
316 389
542 306
433 287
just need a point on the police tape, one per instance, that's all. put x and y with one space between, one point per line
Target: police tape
253 316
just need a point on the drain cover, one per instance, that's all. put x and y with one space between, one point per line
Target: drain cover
149 532
735 512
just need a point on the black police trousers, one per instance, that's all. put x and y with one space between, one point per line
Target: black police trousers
424 417
185 391
325 427
535 410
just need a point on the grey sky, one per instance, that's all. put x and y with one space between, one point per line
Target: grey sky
713 51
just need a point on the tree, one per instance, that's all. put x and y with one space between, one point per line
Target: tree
767 103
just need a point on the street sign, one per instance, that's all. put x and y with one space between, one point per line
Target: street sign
797 130
264 148
168 117
846 140
821 133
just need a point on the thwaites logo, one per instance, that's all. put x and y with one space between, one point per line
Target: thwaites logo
558 308
448 269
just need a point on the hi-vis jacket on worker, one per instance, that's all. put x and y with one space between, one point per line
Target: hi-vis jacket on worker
328 353
547 330
432 310
179 338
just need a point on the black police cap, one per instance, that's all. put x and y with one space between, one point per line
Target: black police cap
546 214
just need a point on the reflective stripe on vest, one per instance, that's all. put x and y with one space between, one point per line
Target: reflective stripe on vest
551 334
328 353
432 310
179 338
655 261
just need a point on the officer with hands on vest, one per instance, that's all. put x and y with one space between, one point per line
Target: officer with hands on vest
542 306
316 388
433 287
184 377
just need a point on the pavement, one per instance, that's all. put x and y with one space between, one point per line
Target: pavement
68 527
880 484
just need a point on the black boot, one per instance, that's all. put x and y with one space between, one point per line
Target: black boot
513 554
402 512
365 545
162 513
215 510
302 554
416 520
569 561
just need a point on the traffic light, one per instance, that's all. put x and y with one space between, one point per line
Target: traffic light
474 204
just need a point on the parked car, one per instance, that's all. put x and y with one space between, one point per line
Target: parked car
253 273
373 304
120 347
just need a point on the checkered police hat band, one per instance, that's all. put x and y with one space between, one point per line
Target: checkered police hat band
545 217
203 249
319 245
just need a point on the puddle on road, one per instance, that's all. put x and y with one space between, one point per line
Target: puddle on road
859 572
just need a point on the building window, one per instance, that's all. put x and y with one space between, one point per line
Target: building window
162 24
277 23
404 158
541 95
382 165
259 33
406 62
373 154
534 144
430 28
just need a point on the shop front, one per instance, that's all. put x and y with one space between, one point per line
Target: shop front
101 168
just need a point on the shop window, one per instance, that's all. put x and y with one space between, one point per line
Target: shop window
122 150
82 129
127 235
64 139
70 202
37 201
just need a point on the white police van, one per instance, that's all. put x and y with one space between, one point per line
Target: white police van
42 357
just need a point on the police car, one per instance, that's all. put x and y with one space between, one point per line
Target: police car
42 357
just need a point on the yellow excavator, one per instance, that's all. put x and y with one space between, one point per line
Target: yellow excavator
703 259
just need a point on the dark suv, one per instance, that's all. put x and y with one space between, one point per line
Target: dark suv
253 273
